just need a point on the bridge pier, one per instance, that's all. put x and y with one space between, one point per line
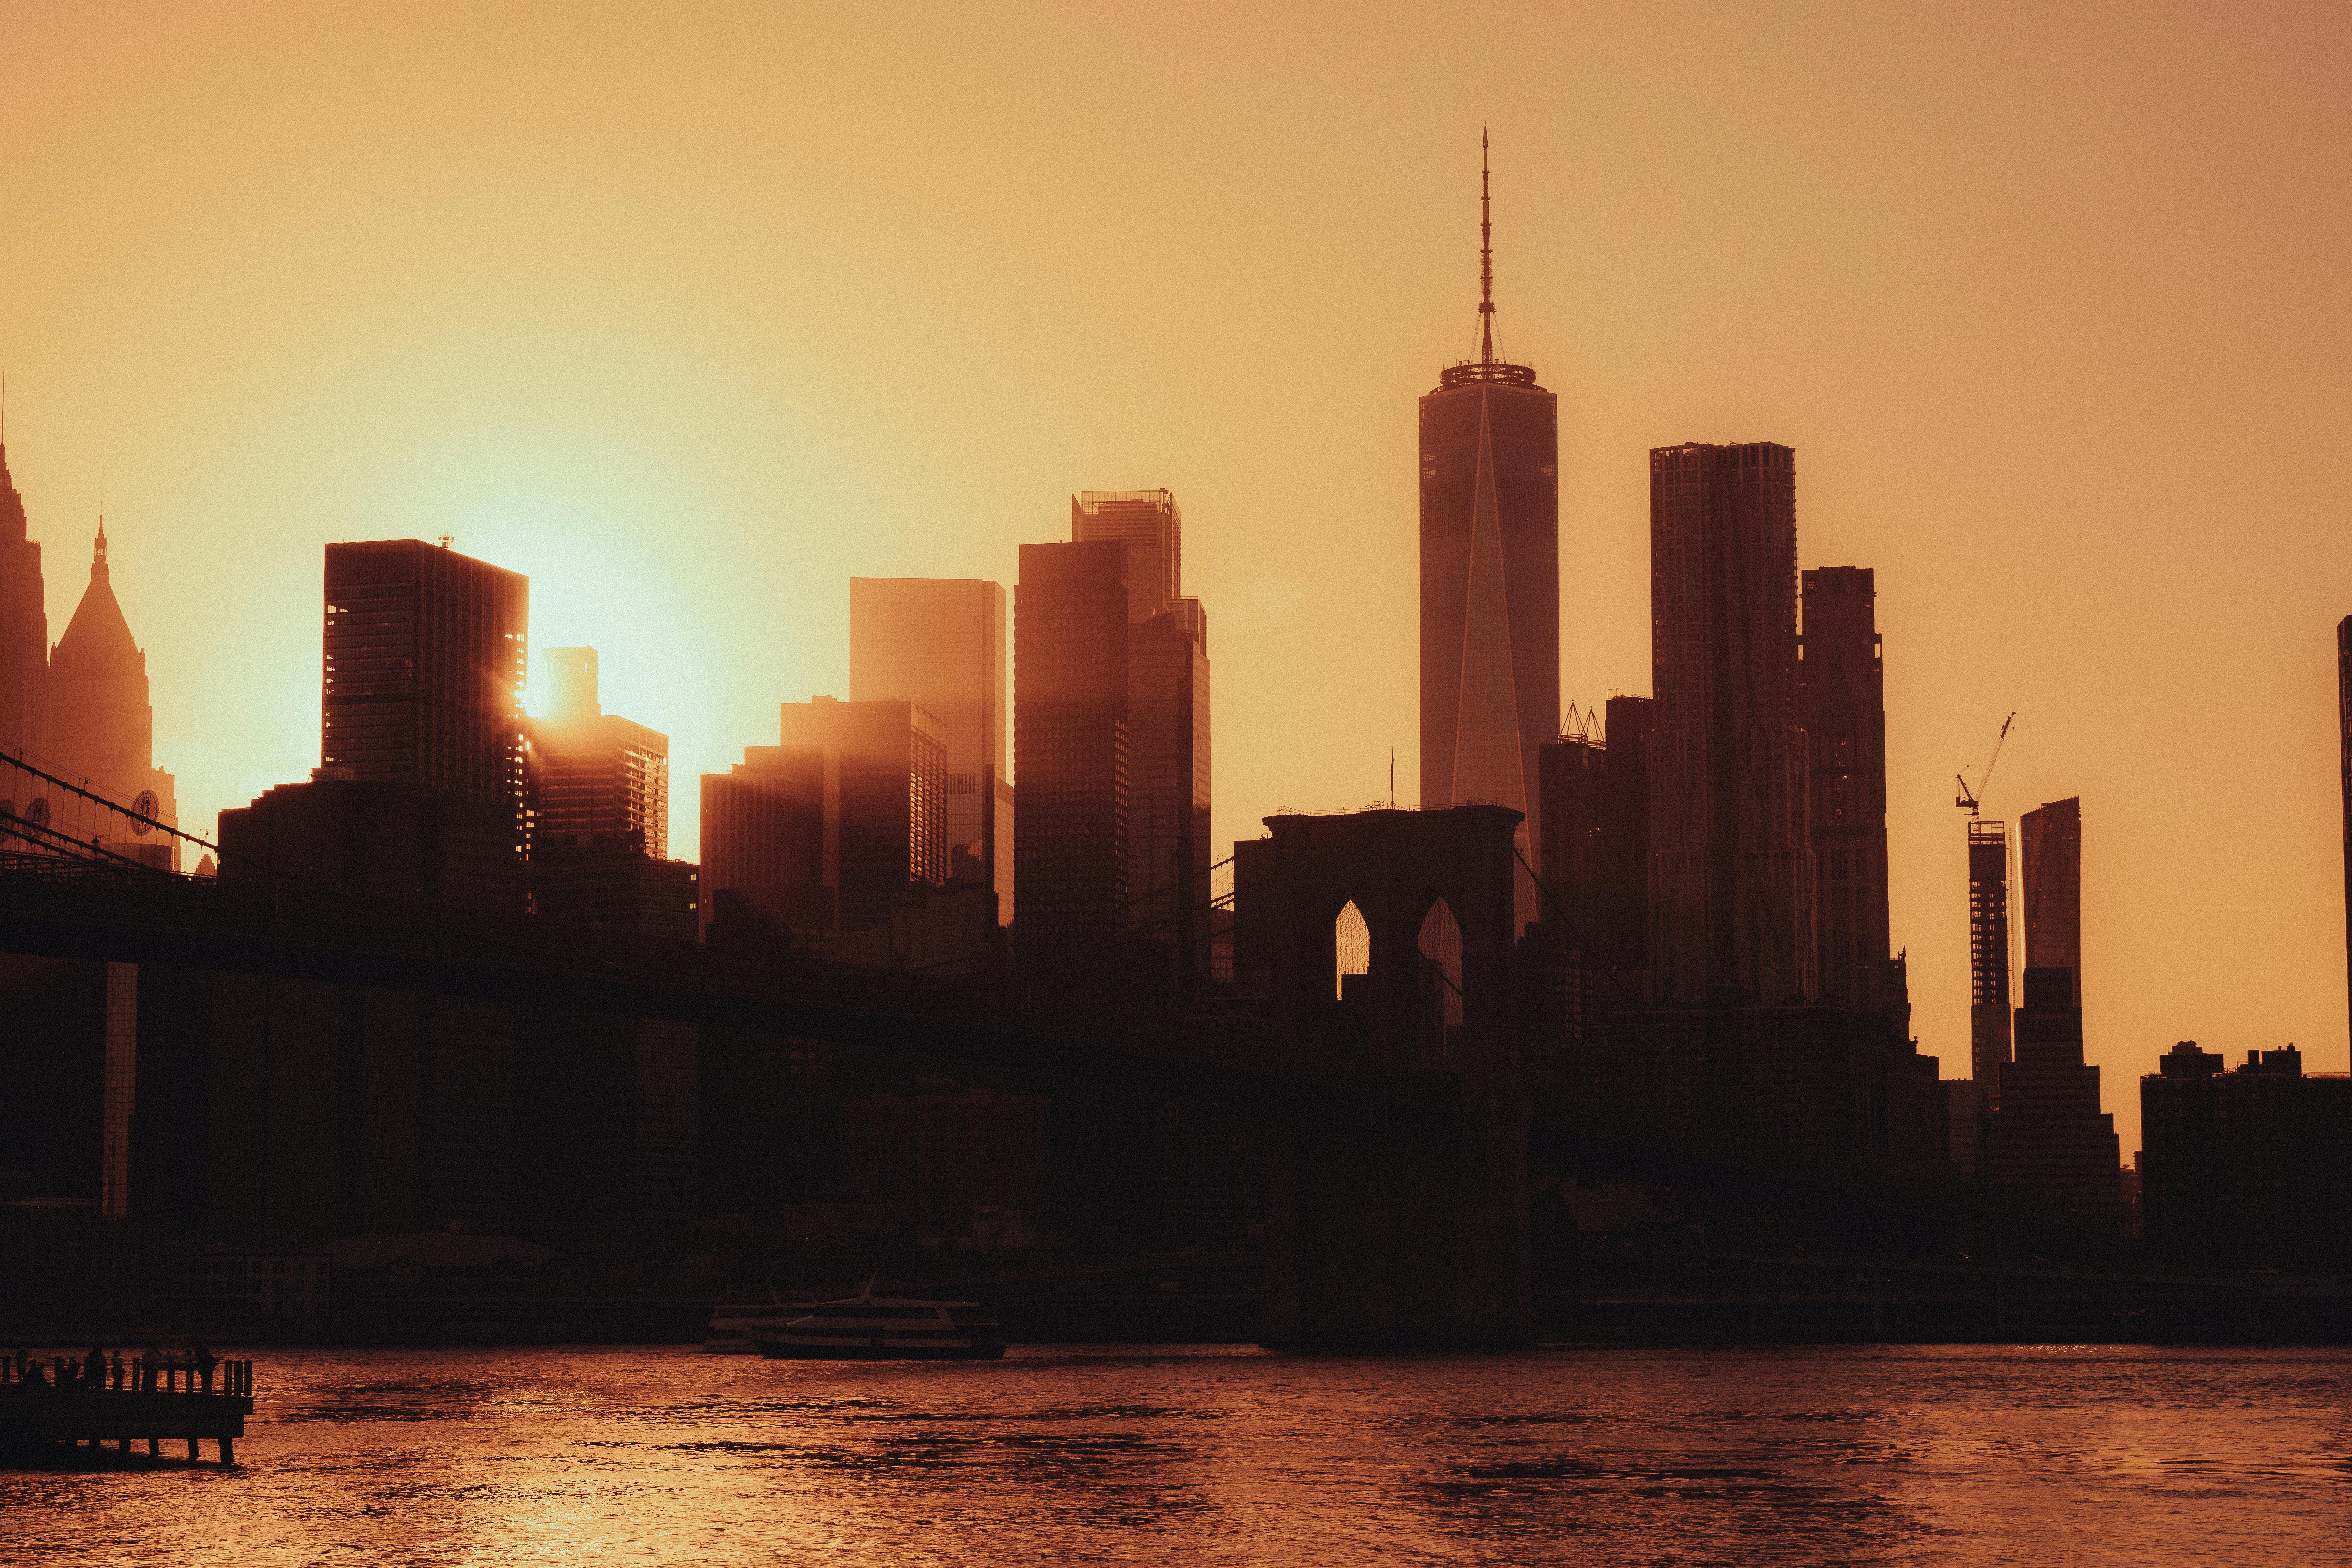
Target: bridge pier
1398 1234
1404 1224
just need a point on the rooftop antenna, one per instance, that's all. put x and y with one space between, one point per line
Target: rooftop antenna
1485 256
1392 775
448 539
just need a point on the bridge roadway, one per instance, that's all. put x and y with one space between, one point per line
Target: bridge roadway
59 908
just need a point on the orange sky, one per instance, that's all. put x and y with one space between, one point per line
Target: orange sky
693 312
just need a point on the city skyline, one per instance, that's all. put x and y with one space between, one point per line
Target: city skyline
2100 661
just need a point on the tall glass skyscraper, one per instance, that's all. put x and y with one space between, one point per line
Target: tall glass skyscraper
1489 575
1731 863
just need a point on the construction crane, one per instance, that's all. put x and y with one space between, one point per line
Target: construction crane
1968 798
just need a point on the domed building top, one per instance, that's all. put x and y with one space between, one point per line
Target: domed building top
100 723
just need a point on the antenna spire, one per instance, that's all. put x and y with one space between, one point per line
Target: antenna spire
1485 256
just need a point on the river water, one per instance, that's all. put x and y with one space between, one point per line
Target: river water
1214 1454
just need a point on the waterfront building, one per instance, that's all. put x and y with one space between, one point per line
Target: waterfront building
1731 864
2249 1168
938 643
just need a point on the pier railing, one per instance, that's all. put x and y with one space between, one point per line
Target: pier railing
120 1374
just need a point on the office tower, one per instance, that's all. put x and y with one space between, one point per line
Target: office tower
2051 842
938 643
598 779
2049 1156
2249 1168
1167 719
1070 747
101 726
1988 955
770 839
1151 526
2344 746
1841 703
1489 575
888 763
24 626
1624 860
426 657
1731 866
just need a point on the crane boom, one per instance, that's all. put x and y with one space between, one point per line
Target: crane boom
1968 798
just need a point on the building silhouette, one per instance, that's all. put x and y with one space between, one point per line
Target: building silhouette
938 643
101 727
1168 721
596 778
1842 702
426 655
771 848
2246 1168
1593 798
1731 865
1489 576
2051 841
24 626
1070 740
890 767
2344 749
2049 1157
1990 956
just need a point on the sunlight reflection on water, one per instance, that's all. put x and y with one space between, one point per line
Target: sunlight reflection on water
503 1459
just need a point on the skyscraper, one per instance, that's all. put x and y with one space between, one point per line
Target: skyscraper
938 643
100 725
1990 1021
2050 1154
1167 719
1489 573
2052 841
1151 526
890 760
598 779
426 657
1731 865
24 626
2344 746
1070 747
1841 692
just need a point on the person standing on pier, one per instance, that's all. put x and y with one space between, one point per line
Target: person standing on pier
206 1360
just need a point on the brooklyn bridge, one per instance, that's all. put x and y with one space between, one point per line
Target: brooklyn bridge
1406 1124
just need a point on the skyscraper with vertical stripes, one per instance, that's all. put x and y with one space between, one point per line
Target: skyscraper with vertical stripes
1489 573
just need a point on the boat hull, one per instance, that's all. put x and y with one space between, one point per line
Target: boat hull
981 1350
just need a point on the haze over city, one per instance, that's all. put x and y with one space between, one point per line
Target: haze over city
691 322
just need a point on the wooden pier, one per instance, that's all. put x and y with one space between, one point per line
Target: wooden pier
52 1406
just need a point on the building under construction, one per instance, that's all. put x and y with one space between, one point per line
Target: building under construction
1988 955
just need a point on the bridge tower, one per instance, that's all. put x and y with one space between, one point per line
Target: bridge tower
1395 1226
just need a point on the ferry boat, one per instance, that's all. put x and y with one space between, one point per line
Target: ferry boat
883 1328
734 1325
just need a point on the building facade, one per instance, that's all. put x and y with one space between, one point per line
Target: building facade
24 626
1990 955
426 652
890 767
2249 1168
1071 747
101 727
597 779
2049 840
1489 586
938 643
2049 1157
1731 864
1842 702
